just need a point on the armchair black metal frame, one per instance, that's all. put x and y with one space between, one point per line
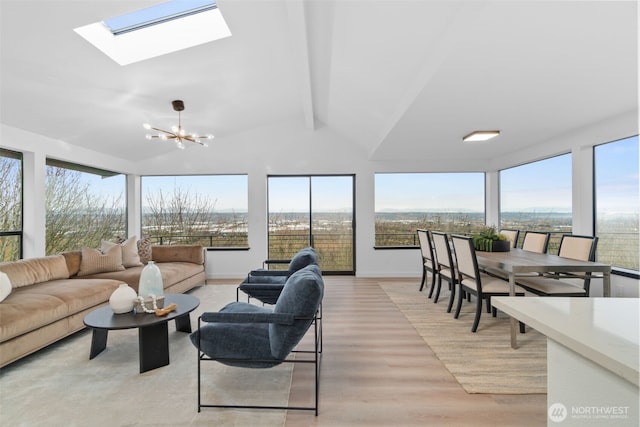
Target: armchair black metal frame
267 318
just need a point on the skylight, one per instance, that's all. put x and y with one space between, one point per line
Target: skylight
157 30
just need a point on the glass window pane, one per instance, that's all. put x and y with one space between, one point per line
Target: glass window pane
10 205
83 208
208 210
450 202
537 197
617 203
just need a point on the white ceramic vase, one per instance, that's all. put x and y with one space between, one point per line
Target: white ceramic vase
122 299
150 281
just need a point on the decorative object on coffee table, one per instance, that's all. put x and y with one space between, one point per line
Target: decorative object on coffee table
489 240
150 289
123 299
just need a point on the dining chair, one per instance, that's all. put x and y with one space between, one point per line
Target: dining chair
582 248
511 235
446 266
472 282
429 264
535 241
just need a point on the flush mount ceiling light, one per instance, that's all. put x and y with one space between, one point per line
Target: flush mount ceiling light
481 135
177 133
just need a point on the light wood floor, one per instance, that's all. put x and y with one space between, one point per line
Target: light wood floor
377 371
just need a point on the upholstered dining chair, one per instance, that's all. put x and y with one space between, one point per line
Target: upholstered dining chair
429 264
577 284
511 235
471 281
446 266
265 284
251 336
535 241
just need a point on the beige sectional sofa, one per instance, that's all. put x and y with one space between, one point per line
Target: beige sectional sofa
49 301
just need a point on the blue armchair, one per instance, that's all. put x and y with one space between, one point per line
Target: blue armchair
265 285
251 336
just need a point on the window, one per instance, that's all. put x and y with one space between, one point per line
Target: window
209 210
84 205
157 30
313 210
404 202
10 205
617 205
537 197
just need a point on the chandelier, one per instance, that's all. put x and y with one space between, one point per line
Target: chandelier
177 134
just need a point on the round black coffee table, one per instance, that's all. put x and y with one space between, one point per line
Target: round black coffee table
153 331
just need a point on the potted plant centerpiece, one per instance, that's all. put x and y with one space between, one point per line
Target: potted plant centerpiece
487 239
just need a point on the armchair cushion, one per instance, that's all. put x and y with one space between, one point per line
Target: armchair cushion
301 296
303 258
248 340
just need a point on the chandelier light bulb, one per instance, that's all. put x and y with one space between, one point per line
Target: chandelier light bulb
146 126
162 136
148 136
175 129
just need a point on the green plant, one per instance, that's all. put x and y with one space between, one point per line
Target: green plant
484 238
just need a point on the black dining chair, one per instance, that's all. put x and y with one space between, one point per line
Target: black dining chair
446 266
582 248
429 264
471 281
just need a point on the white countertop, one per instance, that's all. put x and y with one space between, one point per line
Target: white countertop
603 330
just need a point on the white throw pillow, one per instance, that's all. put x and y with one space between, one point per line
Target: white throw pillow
130 257
5 286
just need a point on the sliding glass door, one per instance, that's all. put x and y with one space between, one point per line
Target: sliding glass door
313 210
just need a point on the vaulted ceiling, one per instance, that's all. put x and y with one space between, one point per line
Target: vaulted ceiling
400 79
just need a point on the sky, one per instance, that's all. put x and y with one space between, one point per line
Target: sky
541 186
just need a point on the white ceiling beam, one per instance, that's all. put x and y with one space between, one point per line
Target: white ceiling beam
297 24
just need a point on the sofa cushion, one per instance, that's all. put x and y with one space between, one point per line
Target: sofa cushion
26 272
177 253
31 307
129 248
144 249
301 296
172 273
5 286
93 261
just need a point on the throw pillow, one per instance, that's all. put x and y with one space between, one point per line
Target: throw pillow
5 286
130 257
93 261
144 249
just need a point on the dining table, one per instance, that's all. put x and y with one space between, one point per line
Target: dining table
518 262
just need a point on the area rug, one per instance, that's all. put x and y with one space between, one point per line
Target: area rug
482 362
60 386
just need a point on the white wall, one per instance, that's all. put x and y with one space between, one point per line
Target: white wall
290 148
